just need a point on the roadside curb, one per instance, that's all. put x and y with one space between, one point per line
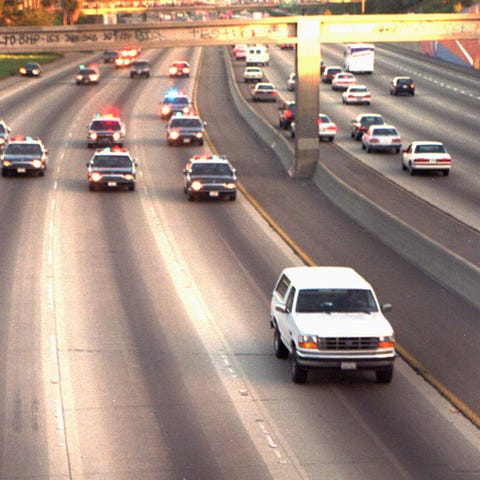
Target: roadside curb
442 264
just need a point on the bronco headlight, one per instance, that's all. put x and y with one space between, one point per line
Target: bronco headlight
308 341
387 341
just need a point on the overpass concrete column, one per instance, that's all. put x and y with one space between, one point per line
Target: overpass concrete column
307 68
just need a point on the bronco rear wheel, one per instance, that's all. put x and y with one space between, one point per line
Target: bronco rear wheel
281 351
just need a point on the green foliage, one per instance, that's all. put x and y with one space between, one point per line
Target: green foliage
9 64
13 16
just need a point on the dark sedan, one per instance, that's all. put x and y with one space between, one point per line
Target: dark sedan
209 176
30 69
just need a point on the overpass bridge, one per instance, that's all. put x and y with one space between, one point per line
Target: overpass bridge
307 32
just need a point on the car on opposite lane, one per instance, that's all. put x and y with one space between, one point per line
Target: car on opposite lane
426 155
359 125
240 51
381 138
264 92
252 74
111 168
330 72
185 129
326 128
402 85
286 114
341 81
209 176
357 94
291 82
106 130
24 155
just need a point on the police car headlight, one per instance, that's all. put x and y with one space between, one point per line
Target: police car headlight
116 136
230 185
93 135
174 135
166 110
37 163
128 176
6 163
96 176
94 77
78 77
198 134
196 185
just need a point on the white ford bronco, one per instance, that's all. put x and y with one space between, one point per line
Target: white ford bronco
329 317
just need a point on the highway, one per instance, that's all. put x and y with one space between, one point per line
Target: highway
135 337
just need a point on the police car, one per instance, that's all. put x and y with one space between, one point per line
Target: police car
185 129
87 75
179 68
24 155
105 130
111 167
209 176
173 102
5 131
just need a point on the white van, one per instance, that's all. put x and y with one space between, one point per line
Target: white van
257 55
329 317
